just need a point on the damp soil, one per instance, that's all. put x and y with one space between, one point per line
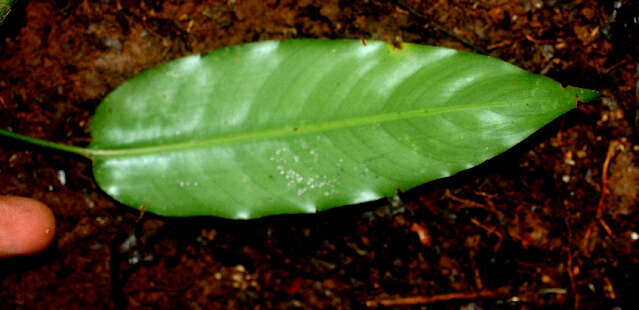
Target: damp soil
550 224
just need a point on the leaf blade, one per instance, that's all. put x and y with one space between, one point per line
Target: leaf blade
301 126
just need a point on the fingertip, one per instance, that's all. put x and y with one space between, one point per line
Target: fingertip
27 226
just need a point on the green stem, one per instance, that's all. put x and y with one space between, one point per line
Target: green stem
43 143
5 8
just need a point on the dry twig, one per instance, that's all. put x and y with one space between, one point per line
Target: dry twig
612 150
476 274
429 21
501 292
472 204
601 206
571 273
490 230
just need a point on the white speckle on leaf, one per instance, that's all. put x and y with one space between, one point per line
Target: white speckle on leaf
309 208
242 215
364 169
112 190
366 196
297 179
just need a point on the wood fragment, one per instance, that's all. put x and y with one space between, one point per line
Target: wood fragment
422 233
609 290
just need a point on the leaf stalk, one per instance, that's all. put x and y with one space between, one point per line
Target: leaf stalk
48 144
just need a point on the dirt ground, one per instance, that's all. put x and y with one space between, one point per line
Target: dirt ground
552 223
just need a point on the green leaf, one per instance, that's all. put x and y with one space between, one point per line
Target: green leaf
306 125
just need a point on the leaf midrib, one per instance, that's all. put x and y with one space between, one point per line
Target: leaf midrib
287 131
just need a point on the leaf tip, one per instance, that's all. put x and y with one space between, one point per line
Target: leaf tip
584 95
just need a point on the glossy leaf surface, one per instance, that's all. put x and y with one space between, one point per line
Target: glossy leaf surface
306 125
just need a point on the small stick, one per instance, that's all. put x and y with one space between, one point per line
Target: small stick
477 275
616 66
426 300
472 204
612 150
571 274
402 4
538 41
490 231
601 206
498 45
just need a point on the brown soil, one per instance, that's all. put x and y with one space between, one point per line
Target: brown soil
550 224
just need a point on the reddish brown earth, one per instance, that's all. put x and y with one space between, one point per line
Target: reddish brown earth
550 224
